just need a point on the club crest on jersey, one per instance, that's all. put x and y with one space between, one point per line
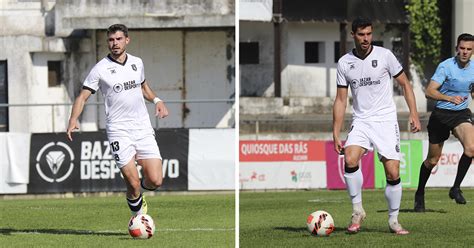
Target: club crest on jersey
134 67
374 63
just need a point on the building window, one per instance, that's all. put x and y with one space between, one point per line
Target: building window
249 53
337 55
3 96
313 52
54 73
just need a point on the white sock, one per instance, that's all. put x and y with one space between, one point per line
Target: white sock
354 183
393 194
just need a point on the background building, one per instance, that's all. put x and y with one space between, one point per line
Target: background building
48 48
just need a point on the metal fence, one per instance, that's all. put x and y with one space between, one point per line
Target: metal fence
63 110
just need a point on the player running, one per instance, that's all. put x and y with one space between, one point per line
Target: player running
368 70
452 86
121 79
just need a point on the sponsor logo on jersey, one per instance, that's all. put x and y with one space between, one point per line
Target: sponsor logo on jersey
374 63
118 88
352 66
130 85
363 82
354 83
134 67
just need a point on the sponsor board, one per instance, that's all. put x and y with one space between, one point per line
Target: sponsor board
282 164
282 175
410 161
335 168
444 173
281 150
87 165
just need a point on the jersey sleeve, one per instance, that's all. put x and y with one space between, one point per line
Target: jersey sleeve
142 75
341 78
92 80
440 74
394 67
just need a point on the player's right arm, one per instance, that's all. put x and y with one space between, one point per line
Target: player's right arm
339 108
77 108
432 92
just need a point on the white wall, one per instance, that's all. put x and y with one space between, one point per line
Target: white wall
257 79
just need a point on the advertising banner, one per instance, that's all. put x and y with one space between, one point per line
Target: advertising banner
444 173
282 175
282 164
211 164
335 168
410 161
281 150
87 165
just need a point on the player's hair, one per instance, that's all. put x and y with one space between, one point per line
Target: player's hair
464 37
361 22
117 27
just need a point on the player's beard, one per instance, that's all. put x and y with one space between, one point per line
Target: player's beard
117 52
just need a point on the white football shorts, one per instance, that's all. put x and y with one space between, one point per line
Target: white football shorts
133 144
383 136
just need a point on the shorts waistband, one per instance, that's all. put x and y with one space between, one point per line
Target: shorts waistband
449 110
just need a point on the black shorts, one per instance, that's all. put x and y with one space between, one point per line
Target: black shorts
443 121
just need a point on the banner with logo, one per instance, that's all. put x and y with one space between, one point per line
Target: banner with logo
282 164
87 165
335 168
410 161
444 173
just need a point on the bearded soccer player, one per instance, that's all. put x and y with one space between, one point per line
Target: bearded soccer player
452 86
121 79
369 71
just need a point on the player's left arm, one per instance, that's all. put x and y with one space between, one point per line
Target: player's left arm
402 80
160 108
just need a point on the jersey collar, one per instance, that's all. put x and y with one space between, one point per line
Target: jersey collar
355 52
113 60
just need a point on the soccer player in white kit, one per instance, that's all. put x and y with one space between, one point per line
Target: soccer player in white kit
368 71
121 79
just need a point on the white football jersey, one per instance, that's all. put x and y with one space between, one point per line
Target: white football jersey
120 85
371 83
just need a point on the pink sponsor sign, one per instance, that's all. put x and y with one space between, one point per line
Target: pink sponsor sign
335 169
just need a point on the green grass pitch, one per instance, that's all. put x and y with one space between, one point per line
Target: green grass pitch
192 220
278 219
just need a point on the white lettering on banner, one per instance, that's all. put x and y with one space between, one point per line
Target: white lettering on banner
172 167
96 164
269 149
98 169
86 147
266 149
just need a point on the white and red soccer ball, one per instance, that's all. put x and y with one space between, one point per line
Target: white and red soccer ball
141 226
320 223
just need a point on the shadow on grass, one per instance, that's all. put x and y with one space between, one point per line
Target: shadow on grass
411 210
339 229
9 231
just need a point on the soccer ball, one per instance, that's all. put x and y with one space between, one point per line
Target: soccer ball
320 223
141 226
